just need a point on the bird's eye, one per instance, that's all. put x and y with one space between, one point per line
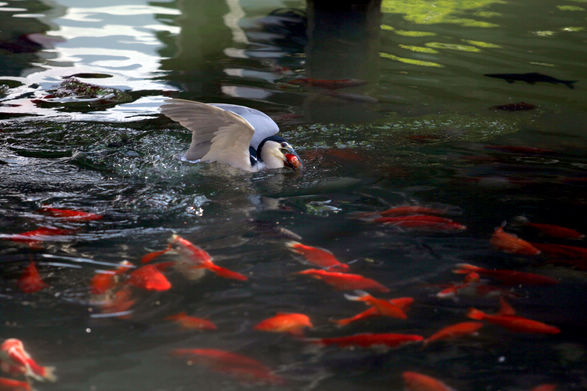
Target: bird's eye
284 145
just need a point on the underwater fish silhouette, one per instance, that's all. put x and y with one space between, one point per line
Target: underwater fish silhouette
531 78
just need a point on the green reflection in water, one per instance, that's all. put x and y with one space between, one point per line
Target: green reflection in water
409 60
573 29
439 11
406 33
482 44
418 49
452 46
570 8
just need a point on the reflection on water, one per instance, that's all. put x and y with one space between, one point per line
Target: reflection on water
389 104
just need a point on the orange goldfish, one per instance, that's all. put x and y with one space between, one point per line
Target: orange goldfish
419 382
105 281
364 340
507 318
14 385
455 330
243 368
402 303
510 243
552 230
14 359
382 306
425 222
34 238
191 322
545 387
195 260
30 280
291 323
71 215
511 277
453 289
345 281
120 303
317 256
149 277
293 161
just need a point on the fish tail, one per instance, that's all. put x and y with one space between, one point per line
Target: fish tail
474 313
292 244
360 296
465 268
49 374
569 83
342 322
226 273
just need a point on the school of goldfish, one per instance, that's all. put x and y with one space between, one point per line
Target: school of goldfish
114 292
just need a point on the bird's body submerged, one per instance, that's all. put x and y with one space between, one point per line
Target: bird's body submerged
240 136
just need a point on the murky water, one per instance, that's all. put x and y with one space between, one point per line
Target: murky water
423 130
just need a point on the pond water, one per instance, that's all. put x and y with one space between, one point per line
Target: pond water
424 129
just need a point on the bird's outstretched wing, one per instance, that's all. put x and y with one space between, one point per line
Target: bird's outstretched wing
218 135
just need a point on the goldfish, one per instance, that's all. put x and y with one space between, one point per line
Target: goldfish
191 322
328 84
545 387
424 222
105 281
35 237
30 280
318 256
15 359
403 303
241 367
453 289
511 277
510 243
419 382
364 340
455 330
293 160
149 277
195 260
120 303
345 281
552 230
155 254
507 318
291 323
71 215
562 250
383 307
14 385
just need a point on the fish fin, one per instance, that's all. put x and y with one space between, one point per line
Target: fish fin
447 292
152 255
292 244
474 313
360 296
465 268
50 374
505 308
569 83
176 316
341 322
226 273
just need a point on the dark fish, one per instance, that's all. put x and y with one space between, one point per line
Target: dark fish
531 78
520 106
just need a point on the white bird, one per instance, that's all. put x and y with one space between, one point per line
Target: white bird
242 137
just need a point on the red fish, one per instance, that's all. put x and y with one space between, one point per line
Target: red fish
545 387
194 260
365 340
510 243
16 360
243 368
328 84
454 331
419 382
382 307
318 257
30 280
155 254
345 281
453 289
34 238
402 303
191 322
291 323
149 277
425 222
14 385
506 318
105 281
511 277
71 215
552 230
293 161
412 210
562 250
120 303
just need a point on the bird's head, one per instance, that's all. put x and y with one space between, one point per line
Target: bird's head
275 152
